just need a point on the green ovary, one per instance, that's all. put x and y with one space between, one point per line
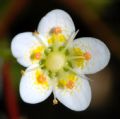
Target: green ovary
55 61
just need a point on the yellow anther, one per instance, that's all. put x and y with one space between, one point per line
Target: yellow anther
87 56
40 38
61 83
35 33
70 84
78 52
41 79
55 101
36 53
37 56
55 38
22 72
56 30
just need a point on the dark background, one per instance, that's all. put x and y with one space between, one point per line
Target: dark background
100 19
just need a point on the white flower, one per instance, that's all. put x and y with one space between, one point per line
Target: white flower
57 63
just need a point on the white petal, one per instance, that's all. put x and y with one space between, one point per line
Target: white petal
56 18
77 99
30 90
100 54
21 47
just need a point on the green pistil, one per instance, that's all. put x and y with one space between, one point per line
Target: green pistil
55 61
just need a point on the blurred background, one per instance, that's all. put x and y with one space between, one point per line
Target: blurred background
94 18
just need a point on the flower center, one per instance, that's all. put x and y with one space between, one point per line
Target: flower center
55 61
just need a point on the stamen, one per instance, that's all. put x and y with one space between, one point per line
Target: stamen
55 101
70 40
32 69
77 57
72 37
37 56
87 56
40 38
56 30
70 69
70 84
22 72
41 79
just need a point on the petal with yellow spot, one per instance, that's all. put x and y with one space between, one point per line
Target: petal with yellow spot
36 53
76 97
35 85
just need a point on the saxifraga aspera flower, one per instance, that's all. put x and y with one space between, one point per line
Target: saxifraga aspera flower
56 62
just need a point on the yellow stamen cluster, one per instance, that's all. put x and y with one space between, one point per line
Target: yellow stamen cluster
36 53
41 79
70 84
57 61
87 56
56 30
68 81
55 38
80 57
57 58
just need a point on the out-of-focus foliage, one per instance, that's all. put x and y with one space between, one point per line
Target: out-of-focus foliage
98 5
6 55
16 74
1 82
3 6
5 52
